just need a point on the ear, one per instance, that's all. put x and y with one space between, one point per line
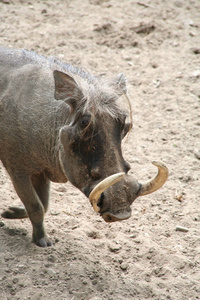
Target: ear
66 88
120 84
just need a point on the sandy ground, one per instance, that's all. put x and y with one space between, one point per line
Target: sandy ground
156 44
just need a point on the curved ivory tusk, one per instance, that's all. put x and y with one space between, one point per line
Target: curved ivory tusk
157 182
102 186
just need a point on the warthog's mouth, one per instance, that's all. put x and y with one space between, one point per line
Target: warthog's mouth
111 217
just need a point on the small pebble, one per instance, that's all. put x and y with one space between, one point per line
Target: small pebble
51 272
196 50
114 247
51 258
2 223
196 73
183 229
197 153
15 280
124 266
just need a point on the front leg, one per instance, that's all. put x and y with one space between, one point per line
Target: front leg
34 206
41 185
39 236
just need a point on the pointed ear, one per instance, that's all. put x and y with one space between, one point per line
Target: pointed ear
119 83
66 88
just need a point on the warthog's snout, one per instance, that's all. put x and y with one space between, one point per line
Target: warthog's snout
113 196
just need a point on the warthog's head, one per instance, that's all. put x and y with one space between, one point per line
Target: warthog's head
90 145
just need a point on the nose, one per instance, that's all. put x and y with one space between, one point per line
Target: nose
95 172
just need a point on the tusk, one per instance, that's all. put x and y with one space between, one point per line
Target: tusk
157 182
102 186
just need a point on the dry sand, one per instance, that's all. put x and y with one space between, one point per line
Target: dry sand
156 44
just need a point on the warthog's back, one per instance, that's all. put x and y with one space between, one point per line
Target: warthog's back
23 72
30 117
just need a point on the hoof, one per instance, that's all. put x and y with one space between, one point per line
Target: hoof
44 242
15 212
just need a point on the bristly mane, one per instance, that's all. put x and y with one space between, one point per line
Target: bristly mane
99 94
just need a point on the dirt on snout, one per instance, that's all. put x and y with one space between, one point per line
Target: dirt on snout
156 253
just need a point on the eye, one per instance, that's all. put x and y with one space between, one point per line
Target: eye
127 166
84 121
127 127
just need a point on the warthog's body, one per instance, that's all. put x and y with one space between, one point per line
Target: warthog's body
59 126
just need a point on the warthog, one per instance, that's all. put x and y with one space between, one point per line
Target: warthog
59 123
